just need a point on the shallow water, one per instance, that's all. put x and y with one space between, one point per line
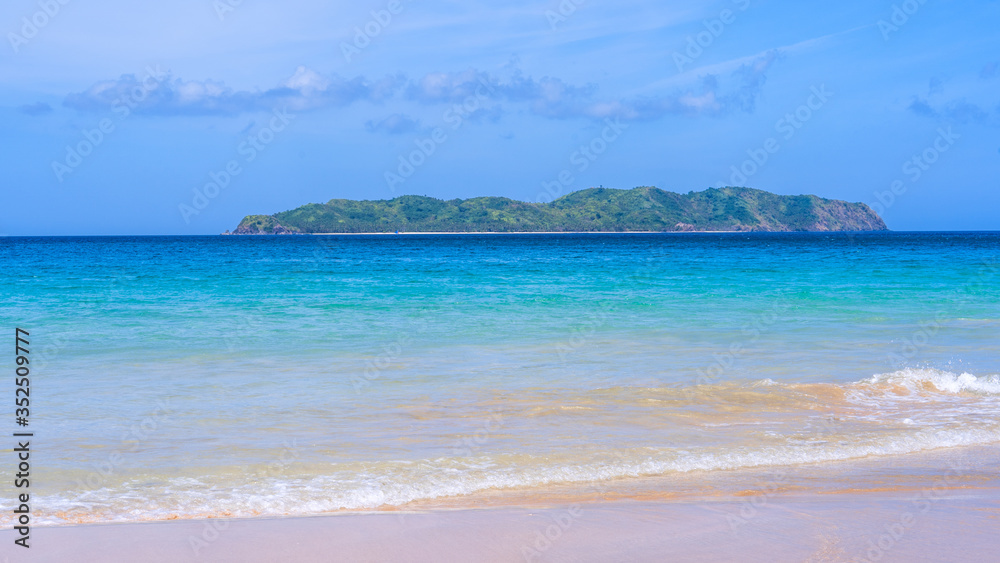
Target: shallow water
192 376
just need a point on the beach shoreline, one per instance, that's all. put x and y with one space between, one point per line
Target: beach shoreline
858 527
362 397
899 508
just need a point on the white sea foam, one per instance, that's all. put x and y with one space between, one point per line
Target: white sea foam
902 412
399 483
917 379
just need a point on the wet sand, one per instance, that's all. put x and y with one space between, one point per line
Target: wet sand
860 527
937 506
942 505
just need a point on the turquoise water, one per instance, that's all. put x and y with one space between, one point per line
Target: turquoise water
187 376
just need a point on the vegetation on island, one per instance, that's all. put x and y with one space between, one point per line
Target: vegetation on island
591 210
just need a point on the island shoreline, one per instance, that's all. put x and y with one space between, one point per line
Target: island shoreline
642 209
856 526
558 233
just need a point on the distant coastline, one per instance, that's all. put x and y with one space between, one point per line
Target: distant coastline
639 210
529 233
505 233
402 233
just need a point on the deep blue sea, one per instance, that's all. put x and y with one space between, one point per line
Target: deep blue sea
246 376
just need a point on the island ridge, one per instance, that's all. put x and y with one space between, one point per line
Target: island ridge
642 209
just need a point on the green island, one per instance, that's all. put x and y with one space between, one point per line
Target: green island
642 209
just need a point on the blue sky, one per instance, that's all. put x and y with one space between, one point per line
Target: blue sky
182 117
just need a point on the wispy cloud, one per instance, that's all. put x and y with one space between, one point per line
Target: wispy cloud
548 96
449 87
304 90
714 95
958 111
920 107
991 70
395 124
39 108
935 86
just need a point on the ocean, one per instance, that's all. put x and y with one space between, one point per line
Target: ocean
185 377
